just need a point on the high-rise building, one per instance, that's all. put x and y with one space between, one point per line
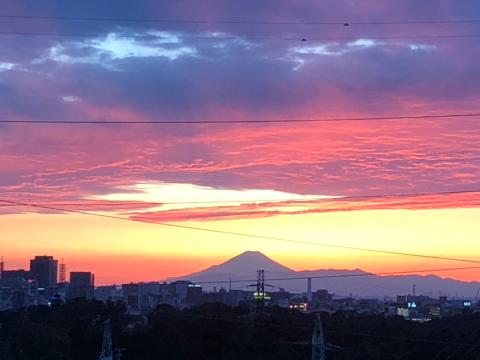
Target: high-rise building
43 269
82 284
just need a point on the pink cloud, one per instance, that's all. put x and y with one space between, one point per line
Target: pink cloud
247 211
230 81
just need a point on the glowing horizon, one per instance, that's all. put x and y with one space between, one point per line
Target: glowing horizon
105 245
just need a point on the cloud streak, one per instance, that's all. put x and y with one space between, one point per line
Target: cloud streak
268 209
147 71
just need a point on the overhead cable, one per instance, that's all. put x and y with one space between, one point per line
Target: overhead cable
247 235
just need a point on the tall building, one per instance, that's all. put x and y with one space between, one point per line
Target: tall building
81 285
43 269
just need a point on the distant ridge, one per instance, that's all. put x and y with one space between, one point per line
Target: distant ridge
245 265
246 262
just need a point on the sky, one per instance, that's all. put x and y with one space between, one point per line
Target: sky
349 183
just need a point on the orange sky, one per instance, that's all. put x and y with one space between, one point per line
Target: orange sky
125 251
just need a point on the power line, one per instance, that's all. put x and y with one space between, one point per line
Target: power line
310 199
258 38
246 235
261 121
240 22
340 276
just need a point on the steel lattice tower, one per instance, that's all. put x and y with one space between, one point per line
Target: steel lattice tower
318 341
107 351
62 273
260 299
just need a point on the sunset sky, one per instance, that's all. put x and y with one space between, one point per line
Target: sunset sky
323 182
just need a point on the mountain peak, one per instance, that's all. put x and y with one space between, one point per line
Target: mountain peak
245 264
250 254
253 261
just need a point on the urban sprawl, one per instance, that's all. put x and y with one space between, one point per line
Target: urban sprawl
46 283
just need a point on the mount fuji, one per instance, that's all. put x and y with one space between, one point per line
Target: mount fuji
356 282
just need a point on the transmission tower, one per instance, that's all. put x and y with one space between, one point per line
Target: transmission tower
107 351
318 341
260 295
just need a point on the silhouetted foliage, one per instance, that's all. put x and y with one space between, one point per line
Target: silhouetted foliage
215 331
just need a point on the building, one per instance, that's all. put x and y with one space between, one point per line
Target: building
194 295
280 298
179 289
16 290
82 285
44 270
15 275
109 293
237 297
132 292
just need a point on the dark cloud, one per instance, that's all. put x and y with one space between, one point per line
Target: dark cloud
124 72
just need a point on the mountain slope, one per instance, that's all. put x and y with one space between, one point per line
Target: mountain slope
247 262
240 267
245 266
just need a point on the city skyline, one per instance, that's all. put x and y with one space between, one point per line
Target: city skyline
250 280
238 270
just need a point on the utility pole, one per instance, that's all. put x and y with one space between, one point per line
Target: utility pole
107 351
318 341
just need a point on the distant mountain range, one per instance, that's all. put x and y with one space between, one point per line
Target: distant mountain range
245 266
